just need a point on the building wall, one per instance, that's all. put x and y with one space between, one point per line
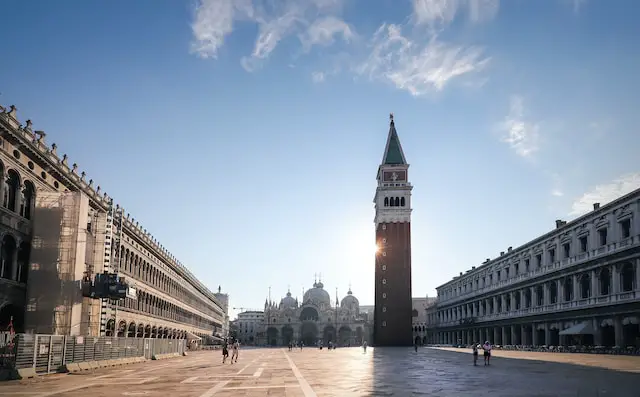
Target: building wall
393 303
168 297
250 327
583 272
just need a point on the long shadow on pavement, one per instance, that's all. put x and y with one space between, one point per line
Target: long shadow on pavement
437 373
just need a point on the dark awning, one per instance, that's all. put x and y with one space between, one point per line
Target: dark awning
584 328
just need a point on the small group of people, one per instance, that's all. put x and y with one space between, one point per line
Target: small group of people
235 345
486 347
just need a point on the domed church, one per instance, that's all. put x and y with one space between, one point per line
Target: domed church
315 319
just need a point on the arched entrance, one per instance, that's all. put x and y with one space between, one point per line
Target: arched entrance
309 333
111 326
359 335
309 314
344 336
287 335
417 340
122 328
329 334
272 336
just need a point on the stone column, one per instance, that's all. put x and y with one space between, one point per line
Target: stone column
514 336
547 334
617 323
576 287
534 335
503 338
615 279
597 335
595 290
637 286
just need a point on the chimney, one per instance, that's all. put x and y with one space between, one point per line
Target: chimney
596 206
560 223
473 268
501 253
461 273
509 249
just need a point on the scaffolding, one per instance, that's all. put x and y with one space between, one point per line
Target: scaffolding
112 243
54 271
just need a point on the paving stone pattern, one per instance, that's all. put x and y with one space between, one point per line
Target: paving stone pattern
346 372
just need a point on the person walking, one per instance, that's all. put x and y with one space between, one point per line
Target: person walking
487 352
225 352
474 347
234 354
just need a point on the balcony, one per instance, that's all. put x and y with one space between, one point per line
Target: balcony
576 261
593 302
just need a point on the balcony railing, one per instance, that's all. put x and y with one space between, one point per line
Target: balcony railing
576 260
551 308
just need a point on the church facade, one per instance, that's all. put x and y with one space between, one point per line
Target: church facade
315 319
393 302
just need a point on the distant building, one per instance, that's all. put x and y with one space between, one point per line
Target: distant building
223 331
249 327
315 319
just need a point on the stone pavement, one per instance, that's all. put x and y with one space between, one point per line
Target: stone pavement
343 372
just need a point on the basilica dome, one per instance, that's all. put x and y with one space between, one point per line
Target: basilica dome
289 301
350 301
317 294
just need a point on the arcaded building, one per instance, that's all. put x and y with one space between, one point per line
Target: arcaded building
58 228
579 284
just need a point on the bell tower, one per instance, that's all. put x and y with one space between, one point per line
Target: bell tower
393 304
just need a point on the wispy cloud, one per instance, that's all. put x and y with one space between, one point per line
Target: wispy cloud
577 4
439 13
605 193
318 77
557 190
314 21
519 133
415 65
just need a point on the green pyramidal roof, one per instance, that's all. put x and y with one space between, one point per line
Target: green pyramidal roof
393 152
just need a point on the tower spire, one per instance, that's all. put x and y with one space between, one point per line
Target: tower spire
393 154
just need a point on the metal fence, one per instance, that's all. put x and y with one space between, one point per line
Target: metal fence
47 353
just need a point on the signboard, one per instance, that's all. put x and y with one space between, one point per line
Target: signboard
132 293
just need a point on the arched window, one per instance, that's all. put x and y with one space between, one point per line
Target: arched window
10 188
386 201
401 201
28 196
553 292
585 286
7 258
397 201
626 277
539 295
568 289
392 202
605 281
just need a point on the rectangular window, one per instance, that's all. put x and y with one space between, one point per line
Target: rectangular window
567 250
602 235
506 273
517 268
526 265
584 244
625 228
552 256
539 261
498 273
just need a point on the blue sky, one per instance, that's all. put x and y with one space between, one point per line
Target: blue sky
246 135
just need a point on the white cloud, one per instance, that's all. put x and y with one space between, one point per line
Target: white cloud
520 134
442 12
415 65
318 77
557 186
323 31
314 20
605 193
